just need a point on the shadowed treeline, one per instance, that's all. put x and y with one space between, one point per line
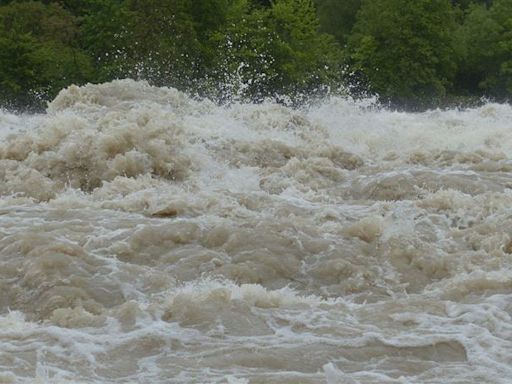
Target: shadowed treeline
414 54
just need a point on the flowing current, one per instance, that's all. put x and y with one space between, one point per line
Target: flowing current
146 237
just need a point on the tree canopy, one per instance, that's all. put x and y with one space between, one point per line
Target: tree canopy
405 48
419 53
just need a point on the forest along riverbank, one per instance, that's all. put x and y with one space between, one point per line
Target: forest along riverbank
148 237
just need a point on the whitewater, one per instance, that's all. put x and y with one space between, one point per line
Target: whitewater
150 237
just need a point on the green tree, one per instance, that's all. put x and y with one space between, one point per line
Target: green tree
405 49
151 39
486 67
39 54
274 50
106 37
19 69
163 41
261 3
209 15
464 4
337 17
306 57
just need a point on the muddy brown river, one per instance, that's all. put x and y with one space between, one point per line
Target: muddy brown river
147 237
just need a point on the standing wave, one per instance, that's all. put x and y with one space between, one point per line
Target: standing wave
147 236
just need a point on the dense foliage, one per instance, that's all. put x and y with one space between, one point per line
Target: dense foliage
405 48
418 53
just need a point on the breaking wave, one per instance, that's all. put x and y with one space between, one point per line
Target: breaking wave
150 237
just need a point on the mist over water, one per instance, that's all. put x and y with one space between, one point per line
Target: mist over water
147 237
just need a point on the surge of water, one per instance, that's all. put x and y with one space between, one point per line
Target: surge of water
148 237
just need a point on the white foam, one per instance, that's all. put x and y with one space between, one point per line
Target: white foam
149 237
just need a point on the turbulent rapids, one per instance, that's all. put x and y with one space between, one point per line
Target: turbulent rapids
147 237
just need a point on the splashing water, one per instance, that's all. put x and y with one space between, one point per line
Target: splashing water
147 237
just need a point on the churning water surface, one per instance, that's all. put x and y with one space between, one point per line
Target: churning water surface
146 237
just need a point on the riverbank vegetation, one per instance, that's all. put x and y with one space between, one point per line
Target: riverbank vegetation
413 54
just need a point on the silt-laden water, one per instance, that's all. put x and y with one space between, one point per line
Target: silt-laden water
146 237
